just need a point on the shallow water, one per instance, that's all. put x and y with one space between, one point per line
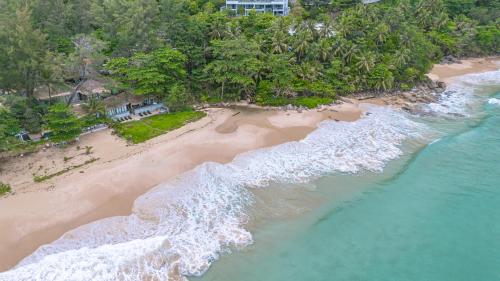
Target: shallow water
367 200
432 216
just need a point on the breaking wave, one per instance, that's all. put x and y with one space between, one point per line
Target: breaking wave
180 227
461 96
494 101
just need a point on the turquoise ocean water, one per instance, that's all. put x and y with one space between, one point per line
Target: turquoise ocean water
433 215
392 196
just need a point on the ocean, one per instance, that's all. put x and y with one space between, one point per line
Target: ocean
392 196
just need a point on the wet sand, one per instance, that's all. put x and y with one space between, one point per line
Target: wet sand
38 213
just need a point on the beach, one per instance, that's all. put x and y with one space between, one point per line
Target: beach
38 213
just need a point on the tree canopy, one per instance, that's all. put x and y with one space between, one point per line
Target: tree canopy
186 51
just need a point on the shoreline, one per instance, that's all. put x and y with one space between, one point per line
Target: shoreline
40 213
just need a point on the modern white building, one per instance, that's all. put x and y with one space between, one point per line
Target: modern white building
243 7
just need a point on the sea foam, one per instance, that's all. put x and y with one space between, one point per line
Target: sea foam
180 227
494 101
460 96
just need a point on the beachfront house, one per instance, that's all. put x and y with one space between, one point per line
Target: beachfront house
243 7
90 89
125 104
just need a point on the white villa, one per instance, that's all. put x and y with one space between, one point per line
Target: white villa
243 7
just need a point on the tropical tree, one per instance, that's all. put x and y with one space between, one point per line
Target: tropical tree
23 51
323 50
130 26
279 42
365 62
236 64
63 123
279 72
302 41
381 78
155 73
9 127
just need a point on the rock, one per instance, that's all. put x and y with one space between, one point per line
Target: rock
431 84
439 90
441 84
409 97
450 59
345 100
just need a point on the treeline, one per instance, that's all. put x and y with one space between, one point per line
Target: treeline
187 51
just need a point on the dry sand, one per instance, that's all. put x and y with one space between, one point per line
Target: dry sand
446 72
38 213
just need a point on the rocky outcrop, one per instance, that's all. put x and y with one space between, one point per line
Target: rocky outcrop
450 59
426 92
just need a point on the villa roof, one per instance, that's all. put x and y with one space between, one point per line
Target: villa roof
92 86
115 100
122 99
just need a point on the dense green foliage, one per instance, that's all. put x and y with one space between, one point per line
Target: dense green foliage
154 73
63 123
9 127
187 51
148 128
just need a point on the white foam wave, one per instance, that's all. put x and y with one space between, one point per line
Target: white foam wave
179 228
494 101
460 97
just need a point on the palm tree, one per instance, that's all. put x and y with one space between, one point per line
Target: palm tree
384 83
381 33
401 57
350 52
281 25
324 50
279 43
343 28
441 20
309 71
382 78
365 62
302 43
326 29
233 30
217 29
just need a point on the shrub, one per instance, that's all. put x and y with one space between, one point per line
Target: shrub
4 188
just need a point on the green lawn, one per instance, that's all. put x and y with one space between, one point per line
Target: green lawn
309 102
150 127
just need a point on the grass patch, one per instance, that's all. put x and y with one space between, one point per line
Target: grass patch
309 102
4 188
46 177
150 127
